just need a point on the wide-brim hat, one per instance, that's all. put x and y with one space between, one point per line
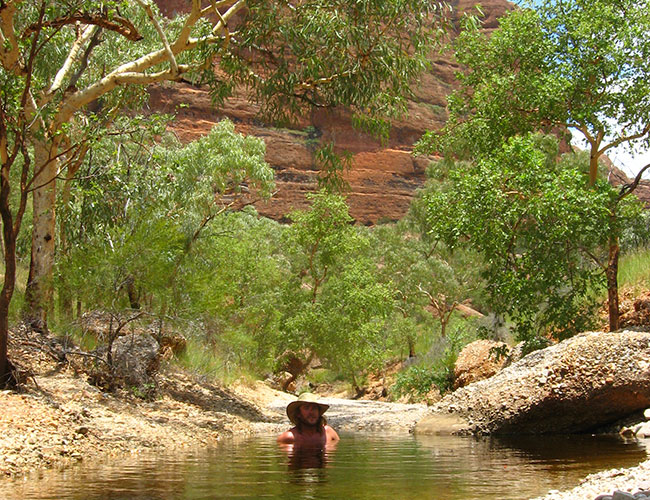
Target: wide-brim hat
304 398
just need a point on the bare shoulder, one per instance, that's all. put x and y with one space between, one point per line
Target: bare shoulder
331 434
286 437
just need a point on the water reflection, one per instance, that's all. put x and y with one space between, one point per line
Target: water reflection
363 467
307 466
301 456
304 457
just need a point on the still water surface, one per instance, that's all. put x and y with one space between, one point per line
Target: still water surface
364 467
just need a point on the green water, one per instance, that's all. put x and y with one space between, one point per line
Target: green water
364 467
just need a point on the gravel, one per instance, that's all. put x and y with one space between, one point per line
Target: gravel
366 415
630 481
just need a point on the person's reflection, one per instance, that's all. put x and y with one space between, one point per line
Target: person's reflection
307 464
305 456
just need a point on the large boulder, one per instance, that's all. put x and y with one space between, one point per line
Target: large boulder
479 360
578 385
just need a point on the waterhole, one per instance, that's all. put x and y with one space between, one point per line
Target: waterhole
363 466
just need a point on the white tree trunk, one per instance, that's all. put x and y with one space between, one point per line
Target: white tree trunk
39 284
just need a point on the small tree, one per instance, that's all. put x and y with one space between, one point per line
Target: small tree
316 242
539 229
335 306
581 65
153 243
427 279
355 307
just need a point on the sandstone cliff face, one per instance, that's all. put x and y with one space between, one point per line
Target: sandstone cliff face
383 178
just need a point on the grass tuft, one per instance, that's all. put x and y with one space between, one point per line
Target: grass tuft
634 269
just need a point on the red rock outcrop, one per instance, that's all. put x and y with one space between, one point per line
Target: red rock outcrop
479 360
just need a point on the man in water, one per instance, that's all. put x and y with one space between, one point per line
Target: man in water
311 428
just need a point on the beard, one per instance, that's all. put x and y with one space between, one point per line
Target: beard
305 424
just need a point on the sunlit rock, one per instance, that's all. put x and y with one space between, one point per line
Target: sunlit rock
578 385
479 360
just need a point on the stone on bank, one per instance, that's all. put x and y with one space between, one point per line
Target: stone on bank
578 385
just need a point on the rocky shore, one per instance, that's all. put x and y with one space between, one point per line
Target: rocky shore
66 420
631 481
58 418
578 385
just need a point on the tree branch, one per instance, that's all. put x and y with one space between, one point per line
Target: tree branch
73 56
222 22
628 188
133 71
9 50
84 60
163 38
626 138
117 24
136 78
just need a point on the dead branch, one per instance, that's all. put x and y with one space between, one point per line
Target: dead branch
628 188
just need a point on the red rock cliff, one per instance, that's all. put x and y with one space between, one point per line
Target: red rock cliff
383 178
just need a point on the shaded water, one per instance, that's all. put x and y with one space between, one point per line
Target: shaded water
364 467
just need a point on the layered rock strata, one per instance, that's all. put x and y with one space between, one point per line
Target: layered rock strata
383 177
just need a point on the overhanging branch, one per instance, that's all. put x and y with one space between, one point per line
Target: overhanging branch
117 24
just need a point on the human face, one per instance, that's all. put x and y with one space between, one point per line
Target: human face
309 413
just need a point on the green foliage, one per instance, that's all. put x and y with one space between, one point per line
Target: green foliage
427 280
538 228
70 69
235 285
332 166
355 307
334 305
637 233
581 64
199 358
161 237
418 380
322 235
337 53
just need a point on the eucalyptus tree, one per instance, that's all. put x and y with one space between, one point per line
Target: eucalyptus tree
355 306
234 282
317 240
538 227
68 68
428 280
149 217
578 65
335 307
